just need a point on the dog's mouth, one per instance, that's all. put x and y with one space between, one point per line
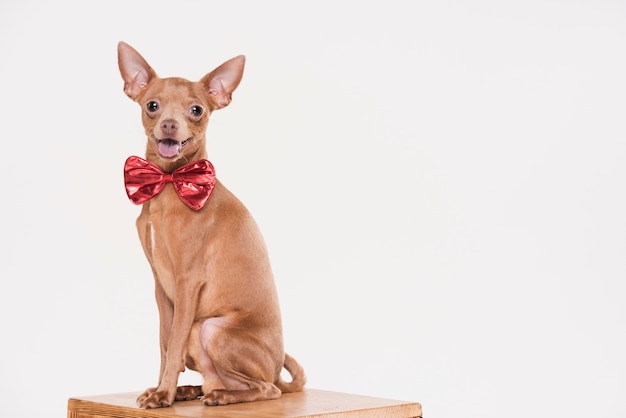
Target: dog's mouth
170 148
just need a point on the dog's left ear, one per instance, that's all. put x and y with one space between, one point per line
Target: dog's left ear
221 82
135 71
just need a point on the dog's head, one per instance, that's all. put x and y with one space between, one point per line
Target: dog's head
175 111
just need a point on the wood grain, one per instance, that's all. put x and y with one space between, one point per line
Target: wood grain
311 403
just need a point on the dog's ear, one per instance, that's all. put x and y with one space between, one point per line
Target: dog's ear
134 69
221 82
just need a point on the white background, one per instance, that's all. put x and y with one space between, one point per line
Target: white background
440 185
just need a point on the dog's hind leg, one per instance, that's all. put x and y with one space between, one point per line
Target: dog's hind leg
198 360
245 364
259 391
188 393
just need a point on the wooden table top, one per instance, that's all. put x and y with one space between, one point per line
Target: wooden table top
306 404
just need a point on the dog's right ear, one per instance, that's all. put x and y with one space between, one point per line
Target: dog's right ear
221 82
134 69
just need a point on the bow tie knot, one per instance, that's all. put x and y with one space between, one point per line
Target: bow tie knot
193 182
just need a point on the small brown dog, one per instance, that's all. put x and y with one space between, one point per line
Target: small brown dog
218 306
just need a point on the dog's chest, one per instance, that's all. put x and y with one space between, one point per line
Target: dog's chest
159 257
168 245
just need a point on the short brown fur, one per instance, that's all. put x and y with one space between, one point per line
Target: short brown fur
218 307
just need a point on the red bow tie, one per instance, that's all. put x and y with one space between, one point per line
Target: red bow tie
193 182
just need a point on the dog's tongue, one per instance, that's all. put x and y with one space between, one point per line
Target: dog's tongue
168 148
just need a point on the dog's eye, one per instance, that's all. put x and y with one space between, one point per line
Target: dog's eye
152 106
196 110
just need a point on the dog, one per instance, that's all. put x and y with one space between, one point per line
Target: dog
217 301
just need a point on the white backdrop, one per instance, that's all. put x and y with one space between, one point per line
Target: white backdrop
440 185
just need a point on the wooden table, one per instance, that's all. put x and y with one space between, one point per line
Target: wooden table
311 403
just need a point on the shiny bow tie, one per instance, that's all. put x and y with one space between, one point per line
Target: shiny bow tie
193 182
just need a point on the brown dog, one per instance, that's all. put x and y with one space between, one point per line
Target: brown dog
218 307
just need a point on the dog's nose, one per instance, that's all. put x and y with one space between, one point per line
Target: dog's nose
169 127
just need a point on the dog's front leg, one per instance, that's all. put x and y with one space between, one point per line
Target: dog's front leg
173 352
166 316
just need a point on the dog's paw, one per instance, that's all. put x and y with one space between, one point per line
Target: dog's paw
153 398
145 394
188 393
219 397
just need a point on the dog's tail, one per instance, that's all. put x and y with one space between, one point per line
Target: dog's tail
298 378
